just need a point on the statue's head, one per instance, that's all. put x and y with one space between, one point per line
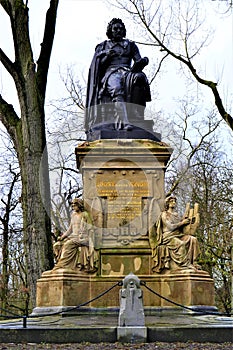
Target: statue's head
168 200
110 25
77 202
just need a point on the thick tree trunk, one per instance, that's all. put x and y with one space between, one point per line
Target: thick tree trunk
35 191
28 134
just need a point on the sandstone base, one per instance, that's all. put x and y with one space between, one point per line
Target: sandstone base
64 288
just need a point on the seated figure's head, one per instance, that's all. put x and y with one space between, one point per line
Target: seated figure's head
77 203
112 23
168 200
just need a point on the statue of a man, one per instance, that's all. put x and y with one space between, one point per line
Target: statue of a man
173 247
77 251
112 79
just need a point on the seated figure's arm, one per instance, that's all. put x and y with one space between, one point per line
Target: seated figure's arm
103 54
66 233
139 62
135 52
173 226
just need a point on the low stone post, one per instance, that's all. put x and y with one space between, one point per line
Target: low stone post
131 323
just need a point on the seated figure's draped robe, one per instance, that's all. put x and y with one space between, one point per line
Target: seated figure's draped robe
170 244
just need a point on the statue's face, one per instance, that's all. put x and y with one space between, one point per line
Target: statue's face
172 203
117 31
75 207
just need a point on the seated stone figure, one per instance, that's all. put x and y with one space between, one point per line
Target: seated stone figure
75 248
173 245
113 81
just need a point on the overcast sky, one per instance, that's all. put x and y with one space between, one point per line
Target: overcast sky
81 24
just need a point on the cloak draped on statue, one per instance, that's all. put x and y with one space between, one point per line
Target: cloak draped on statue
172 245
99 74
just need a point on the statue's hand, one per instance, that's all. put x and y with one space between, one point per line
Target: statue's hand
145 60
62 237
139 65
185 222
111 53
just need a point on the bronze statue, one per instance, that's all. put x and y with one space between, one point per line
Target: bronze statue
77 252
173 245
113 80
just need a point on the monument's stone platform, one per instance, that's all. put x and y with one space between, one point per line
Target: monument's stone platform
93 327
62 288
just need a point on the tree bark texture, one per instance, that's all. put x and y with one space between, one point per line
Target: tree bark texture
28 133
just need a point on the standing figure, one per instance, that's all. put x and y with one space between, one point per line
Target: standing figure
77 251
112 79
173 245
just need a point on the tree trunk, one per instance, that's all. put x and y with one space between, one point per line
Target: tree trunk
28 134
35 190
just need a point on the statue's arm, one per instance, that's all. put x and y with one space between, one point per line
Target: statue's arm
102 53
66 233
139 62
173 226
135 52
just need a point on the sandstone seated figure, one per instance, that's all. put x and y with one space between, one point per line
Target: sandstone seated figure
75 248
172 240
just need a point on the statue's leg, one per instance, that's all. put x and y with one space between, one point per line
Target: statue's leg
121 111
57 249
106 110
138 96
115 88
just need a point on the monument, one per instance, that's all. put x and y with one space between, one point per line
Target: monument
127 226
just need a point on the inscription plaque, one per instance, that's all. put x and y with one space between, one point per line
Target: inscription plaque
124 197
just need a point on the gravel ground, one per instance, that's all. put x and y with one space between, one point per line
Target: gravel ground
107 346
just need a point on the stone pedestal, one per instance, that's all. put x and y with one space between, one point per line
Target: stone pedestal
64 288
123 180
123 188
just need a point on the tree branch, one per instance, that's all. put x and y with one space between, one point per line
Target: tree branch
9 118
6 5
185 60
46 47
8 64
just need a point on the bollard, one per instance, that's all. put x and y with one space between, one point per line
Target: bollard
131 322
24 321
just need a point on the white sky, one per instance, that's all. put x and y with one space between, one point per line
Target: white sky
81 24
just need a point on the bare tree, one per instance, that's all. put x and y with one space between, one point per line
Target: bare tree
208 182
187 136
27 131
65 179
176 35
9 206
10 227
